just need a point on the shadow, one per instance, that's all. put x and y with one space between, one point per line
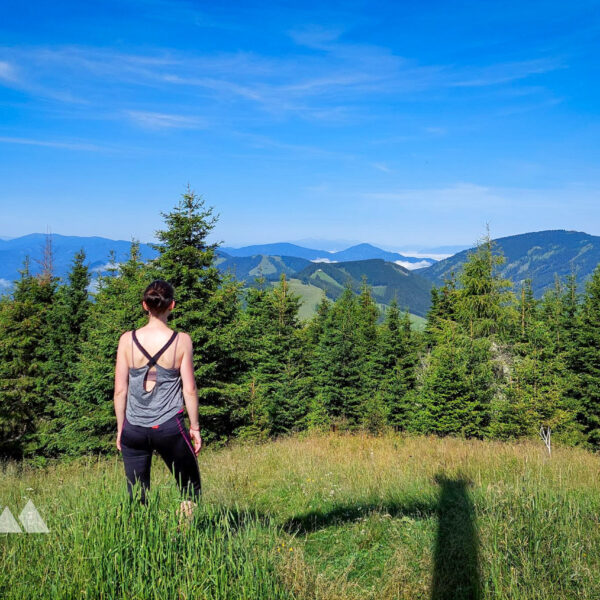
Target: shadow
456 564
344 513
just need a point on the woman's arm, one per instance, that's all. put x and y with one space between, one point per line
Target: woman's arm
121 384
190 393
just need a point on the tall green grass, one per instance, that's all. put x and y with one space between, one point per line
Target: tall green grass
317 517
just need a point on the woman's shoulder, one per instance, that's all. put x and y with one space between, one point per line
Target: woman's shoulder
125 337
184 337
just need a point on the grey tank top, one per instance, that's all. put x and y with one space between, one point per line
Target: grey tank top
163 401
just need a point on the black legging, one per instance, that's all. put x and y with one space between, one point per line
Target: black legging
172 441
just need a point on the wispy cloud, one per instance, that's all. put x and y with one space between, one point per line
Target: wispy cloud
506 72
323 77
7 71
382 167
154 120
52 144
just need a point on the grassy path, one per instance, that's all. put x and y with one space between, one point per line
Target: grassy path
318 517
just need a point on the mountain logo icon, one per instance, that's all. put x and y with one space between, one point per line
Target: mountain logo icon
30 519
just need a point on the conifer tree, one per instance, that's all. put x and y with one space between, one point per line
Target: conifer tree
276 402
339 362
586 361
374 411
207 307
89 419
22 357
457 388
317 417
442 309
66 332
396 361
484 299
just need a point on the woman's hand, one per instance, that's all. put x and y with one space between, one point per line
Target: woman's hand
196 440
119 441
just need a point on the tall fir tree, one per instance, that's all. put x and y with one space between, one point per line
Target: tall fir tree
23 354
484 300
276 400
207 308
66 332
396 362
89 419
338 363
586 360
456 390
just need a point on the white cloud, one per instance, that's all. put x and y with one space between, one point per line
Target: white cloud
382 167
5 283
323 260
412 265
154 120
320 81
7 71
51 144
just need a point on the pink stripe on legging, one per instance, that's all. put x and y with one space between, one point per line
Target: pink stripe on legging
185 437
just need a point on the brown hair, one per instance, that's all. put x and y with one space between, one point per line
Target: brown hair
158 296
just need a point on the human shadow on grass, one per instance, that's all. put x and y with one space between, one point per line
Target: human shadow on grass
353 511
455 562
456 573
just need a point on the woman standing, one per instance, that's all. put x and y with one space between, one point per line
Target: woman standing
154 377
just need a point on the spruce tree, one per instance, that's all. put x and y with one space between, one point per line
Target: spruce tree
586 361
396 361
339 361
207 308
89 419
484 300
66 332
23 354
276 402
457 388
317 417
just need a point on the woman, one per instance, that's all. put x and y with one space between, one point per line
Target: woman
154 376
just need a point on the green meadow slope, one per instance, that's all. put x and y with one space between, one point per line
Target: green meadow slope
319 517
388 281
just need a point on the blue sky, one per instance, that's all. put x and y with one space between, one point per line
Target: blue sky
397 123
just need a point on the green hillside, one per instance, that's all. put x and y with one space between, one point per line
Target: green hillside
538 256
248 268
388 281
311 296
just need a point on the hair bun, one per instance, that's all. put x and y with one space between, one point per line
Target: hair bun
158 296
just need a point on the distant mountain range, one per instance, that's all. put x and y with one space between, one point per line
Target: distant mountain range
13 252
538 256
358 252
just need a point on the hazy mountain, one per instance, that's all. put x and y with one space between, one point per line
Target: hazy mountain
537 255
388 281
358 252
368 251
14 251
279 249
324 244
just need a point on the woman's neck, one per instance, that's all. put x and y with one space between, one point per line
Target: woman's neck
158 320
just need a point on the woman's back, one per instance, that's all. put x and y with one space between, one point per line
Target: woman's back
155 390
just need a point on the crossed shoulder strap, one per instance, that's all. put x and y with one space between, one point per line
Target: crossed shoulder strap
152 359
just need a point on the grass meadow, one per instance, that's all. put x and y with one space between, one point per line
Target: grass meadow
322 517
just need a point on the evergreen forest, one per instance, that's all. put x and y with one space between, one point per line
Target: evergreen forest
493 362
